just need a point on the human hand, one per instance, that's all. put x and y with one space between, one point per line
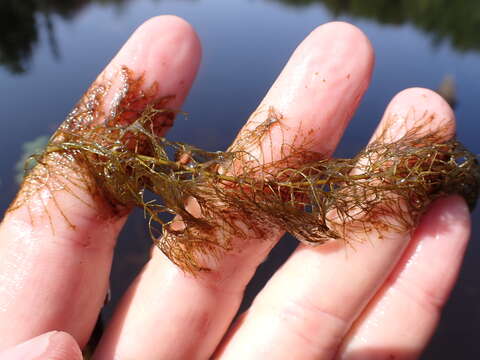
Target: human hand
381 301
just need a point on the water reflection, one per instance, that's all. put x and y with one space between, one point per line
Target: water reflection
455 21
20 22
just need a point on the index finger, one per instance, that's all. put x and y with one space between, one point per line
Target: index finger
56 247
167 313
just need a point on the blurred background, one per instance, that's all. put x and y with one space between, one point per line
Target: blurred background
50 51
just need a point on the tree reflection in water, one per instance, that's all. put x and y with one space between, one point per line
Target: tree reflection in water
20 22
444 20
454 21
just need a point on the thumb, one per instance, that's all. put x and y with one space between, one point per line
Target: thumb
52 345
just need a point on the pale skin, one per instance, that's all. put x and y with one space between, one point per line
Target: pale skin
381 300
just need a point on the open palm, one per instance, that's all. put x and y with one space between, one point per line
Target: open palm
381 301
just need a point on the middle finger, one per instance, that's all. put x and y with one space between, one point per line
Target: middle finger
317 92
306 309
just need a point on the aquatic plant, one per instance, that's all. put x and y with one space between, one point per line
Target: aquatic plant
26 162
215 200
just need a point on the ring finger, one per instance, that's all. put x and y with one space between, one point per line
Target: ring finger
309 305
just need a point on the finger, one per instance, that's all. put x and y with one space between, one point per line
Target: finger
53 345
56 247
401 318
306 309
318 89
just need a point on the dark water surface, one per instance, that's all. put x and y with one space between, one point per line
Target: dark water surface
51 50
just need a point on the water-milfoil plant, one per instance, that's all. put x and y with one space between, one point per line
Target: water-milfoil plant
202 204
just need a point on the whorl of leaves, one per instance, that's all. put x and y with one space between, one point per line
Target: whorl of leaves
224 196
